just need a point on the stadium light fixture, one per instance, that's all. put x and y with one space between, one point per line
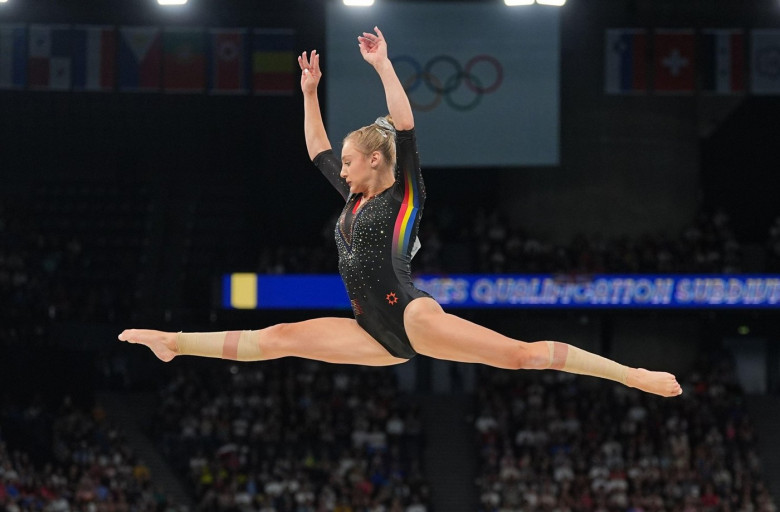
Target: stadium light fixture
556 3
358 3
171 2
512 3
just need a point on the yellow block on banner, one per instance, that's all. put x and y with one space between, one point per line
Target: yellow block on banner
243 290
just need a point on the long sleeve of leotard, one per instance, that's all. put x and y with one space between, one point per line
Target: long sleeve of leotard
408 175
330 167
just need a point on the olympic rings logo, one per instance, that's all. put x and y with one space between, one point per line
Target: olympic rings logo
443 77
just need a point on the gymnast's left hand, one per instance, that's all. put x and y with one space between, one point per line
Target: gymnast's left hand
373 47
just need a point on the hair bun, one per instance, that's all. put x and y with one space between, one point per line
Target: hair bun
386 123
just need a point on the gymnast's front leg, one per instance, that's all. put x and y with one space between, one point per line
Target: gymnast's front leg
445 336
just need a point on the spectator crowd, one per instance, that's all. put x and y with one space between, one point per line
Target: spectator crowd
294 436
69 458
557 442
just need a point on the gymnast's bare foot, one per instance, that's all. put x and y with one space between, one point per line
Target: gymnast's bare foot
163 344
659 383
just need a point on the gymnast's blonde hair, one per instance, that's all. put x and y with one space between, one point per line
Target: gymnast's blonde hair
379 136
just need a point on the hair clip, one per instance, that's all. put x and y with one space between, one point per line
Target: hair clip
382 122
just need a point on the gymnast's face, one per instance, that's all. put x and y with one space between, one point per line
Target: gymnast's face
355 168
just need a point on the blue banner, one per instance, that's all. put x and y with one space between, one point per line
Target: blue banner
519 291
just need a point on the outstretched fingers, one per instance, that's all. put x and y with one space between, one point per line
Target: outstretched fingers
312 63
303 61
315 63
310 70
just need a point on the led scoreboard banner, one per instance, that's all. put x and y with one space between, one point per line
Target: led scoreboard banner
317 291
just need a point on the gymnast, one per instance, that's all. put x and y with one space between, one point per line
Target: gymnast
379 177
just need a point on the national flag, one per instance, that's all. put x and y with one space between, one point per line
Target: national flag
13 56
674 61
140 58
184 62
273 61
228 71
49 57
94 58
722 62
765 62
625 62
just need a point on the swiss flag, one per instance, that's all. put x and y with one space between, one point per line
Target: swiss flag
674 55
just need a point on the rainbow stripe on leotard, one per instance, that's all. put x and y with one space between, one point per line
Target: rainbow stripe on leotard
407 215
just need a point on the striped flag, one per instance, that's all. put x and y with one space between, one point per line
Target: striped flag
184 61
49 57
140 58
13 56
674 57
765 62
625 63
273 61
722 61
94 58
228 71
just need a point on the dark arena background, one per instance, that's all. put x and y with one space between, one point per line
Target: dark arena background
145 181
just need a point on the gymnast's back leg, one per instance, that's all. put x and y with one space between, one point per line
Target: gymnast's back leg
332 340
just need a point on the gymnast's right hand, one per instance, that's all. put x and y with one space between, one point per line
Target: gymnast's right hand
310 72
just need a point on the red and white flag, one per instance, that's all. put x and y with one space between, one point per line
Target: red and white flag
228 61
49 65
674 58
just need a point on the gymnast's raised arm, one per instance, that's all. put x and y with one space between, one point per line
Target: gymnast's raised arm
313 127
373 48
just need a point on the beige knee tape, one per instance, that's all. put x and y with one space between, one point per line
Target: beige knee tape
574 360
234 345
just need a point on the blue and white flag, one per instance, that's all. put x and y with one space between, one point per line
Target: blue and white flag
765 62
94 58
722 62
13 56
625 61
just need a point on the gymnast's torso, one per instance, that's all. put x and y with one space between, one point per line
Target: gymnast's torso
376 241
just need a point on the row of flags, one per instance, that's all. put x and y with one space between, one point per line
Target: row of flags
147 59
682 61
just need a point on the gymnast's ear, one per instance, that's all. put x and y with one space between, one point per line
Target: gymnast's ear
376 159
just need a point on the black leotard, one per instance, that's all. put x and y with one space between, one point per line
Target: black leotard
375 245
